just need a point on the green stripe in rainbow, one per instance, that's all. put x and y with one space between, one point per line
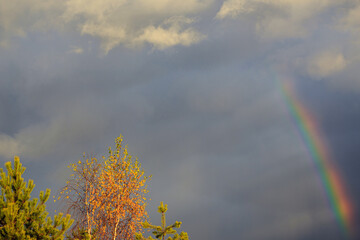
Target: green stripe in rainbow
330 178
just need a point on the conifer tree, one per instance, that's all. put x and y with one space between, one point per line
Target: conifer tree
78 233
161 231
22 218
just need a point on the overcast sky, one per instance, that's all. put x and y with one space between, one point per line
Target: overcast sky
194 86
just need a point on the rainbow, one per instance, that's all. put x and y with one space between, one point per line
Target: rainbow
334 187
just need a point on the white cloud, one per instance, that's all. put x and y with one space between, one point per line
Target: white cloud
279 19
110 35
76 50
34 141
39 140
166 36
162 23
353 17
326 63
9 147
232 8
114 22
351 21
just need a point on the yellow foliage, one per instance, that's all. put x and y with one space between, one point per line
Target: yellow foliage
108 196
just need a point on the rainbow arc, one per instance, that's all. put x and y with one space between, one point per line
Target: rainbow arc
331 180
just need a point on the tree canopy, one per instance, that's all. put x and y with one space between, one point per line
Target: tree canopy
23 218
107 198
160 232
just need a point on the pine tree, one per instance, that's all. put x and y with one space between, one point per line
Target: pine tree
161 231
22 218
80 234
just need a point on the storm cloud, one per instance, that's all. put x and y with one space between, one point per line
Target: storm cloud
195 89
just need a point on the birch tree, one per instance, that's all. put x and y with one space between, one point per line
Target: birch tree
107 197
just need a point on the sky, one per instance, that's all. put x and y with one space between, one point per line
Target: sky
196 89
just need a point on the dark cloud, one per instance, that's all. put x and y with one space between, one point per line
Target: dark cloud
208 121
338 116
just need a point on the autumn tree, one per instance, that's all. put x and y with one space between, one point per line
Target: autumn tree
80 195
160 232
107 198
23 218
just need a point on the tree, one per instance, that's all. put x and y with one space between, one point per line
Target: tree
79 234
161 231
81 194
22 218
107 198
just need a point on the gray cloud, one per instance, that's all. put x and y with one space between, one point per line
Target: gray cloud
207 120
19 17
